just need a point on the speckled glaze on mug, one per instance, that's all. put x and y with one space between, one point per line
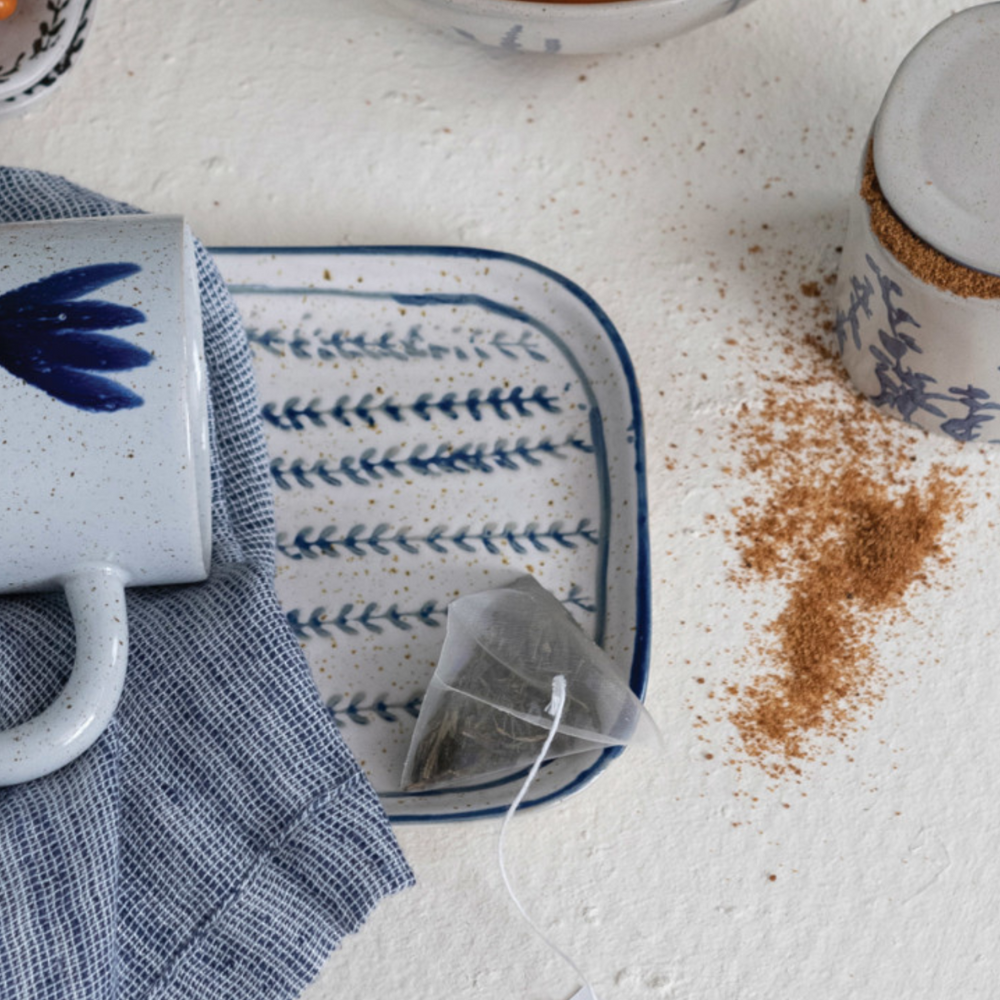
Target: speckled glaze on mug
103 446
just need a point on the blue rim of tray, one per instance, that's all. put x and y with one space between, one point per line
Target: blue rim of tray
639 673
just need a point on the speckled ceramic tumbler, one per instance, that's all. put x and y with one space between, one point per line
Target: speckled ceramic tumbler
104 460
919 294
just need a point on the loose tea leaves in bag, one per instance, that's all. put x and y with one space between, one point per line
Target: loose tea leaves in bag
484 713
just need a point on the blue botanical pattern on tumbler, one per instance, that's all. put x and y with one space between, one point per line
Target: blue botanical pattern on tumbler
49 338
901 388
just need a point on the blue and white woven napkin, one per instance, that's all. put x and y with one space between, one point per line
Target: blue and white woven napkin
219 840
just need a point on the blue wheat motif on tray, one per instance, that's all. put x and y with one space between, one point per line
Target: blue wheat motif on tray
359 618
369 410
49 337
343 346
355 710
353 619
372 466
901 388
385 540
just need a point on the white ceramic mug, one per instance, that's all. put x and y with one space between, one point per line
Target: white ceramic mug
104 454
917 348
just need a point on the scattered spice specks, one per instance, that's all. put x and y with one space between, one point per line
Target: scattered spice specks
841 519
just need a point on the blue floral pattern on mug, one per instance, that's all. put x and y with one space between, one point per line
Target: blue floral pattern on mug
49 338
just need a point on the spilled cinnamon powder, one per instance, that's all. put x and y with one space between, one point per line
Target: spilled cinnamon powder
838 519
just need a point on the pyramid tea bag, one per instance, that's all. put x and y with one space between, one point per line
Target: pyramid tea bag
484 713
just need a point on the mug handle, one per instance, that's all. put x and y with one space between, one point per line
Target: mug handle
83 709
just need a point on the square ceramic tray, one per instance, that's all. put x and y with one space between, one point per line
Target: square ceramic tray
439 422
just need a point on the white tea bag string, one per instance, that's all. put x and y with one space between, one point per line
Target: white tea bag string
555 709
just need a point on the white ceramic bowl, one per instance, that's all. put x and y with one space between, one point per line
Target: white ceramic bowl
33 40
38 46
568 28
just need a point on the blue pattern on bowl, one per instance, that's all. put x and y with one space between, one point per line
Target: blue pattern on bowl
52 32
566 28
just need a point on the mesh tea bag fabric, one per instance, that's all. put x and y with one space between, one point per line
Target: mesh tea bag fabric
219 839
484 714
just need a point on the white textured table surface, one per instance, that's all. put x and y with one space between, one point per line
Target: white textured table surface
692 188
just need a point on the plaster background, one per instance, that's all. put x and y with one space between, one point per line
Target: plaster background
644 176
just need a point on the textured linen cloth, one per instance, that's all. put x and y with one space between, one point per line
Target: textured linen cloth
219 839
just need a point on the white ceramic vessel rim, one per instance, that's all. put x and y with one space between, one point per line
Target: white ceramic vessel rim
196 389
937 138
528 10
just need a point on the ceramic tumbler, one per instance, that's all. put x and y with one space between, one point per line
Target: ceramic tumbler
918 301
104 452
